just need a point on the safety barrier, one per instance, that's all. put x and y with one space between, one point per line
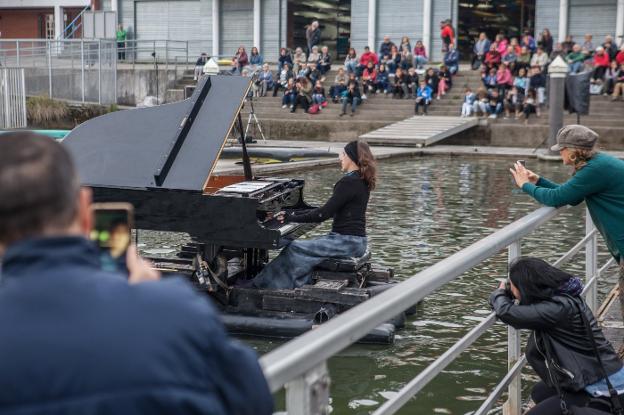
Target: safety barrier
300 365
12 98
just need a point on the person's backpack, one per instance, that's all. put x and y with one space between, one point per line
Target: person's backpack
314 109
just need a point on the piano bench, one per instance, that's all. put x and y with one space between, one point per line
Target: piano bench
350 264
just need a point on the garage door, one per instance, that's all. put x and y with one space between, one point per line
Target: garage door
597 18
236 26
172 20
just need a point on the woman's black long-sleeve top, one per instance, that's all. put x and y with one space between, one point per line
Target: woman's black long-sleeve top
558 322
347 206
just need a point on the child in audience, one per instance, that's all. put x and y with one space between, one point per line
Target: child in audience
420 55
481 102
432 79
423 97
314 74
495 104
489 79
407 59
521 81
405 42
537 81
611 75
469 102
504 80
401 88
290 94
325 61
383 80
318 95
351 61
445 81
513 102
340 85
412 80
369 79
303 70
394 62
530 106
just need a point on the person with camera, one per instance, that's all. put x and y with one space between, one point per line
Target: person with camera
579 370
304 94
351 96
596 179
77 339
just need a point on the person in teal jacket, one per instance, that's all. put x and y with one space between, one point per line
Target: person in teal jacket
598 179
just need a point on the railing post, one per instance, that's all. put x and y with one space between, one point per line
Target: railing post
17 51
514 401
82 69
591 261
309 393
49 68
99 71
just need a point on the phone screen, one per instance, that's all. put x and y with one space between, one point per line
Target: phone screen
112 228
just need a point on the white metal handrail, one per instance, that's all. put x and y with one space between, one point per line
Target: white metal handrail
291 364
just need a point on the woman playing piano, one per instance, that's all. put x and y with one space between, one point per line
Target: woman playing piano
347 206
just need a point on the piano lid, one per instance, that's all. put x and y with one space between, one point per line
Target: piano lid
173 146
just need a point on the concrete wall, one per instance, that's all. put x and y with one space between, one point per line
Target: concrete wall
359 25
547 17
409 22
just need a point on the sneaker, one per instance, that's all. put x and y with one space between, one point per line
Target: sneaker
492 116
438 97
284 106
342 114
363 96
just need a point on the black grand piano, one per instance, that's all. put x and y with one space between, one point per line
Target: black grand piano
162 159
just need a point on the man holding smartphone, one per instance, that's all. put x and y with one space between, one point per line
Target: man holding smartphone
78 339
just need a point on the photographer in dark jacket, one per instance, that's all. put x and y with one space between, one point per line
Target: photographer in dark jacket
547 301
80 340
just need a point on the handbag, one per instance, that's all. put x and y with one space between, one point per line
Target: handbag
613 406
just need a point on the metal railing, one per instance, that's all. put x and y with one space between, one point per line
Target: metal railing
73 27
301 364
12 98
70 69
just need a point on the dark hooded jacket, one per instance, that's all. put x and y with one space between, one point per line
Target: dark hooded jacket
557 323
78 340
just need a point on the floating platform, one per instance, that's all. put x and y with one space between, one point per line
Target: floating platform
419 131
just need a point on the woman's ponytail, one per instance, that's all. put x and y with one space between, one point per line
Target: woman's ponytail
367 164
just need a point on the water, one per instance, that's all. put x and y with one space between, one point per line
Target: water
424 210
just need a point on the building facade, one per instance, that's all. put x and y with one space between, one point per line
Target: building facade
219 27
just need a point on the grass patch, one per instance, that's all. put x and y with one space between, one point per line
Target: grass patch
44 111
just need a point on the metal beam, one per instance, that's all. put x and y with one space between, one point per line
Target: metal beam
372 24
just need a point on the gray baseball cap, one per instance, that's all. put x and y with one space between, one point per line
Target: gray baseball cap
575 136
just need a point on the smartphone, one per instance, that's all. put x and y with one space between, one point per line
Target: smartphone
112 230
523 162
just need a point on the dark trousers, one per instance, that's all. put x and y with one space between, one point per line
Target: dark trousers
301 100
599 73
121 51
547 401
421 102
336 90
528 109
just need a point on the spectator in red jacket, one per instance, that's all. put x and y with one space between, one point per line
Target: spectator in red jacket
240 60
367 56
619 58
447 34
492 58
601 63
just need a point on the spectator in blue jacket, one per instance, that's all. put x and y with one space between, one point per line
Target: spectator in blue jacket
451 60
255 59
382 83
80 340
385 47
481 47
265 78
423 97
284 58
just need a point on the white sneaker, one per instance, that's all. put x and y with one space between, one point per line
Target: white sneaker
283 106
363 96
492 116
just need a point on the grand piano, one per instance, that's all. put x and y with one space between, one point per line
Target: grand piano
162 161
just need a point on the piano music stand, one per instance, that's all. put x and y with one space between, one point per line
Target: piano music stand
252 118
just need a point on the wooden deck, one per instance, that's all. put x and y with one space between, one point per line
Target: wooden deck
419 131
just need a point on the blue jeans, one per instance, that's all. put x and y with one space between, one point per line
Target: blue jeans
354 104
293 266
318 99
420 61
576 67
289 99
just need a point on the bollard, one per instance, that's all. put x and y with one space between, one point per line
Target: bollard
557 72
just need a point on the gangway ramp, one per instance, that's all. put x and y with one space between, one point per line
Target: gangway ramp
419 131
